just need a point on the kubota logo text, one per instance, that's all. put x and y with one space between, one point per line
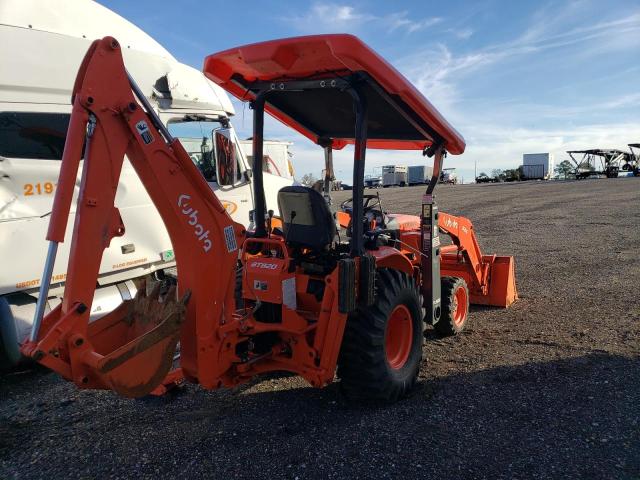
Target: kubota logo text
450 223
192 215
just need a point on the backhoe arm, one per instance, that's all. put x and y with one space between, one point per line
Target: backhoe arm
131 349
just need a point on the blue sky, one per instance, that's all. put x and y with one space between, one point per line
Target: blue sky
513 77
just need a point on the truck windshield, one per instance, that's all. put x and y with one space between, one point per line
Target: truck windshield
196 138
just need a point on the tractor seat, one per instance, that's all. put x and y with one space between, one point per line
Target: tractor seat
306 219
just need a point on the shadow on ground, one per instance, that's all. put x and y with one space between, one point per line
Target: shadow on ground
571 418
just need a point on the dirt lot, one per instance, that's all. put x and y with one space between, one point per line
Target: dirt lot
547 389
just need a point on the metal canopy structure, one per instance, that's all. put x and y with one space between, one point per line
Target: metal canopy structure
597 161
634 160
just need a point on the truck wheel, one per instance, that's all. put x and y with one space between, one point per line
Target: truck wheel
382 346
455 307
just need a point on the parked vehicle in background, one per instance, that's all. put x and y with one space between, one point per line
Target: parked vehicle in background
276 157
537 166
419 174
35 94
394 176
372 181
484 178
449 175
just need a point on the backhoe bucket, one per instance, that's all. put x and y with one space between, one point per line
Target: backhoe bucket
502 290
136 343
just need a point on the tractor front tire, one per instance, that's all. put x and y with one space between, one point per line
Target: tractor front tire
455 307
382 346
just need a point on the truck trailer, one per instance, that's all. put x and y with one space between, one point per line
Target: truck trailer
419 174
537 166
394 176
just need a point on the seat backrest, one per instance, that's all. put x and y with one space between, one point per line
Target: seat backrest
306 218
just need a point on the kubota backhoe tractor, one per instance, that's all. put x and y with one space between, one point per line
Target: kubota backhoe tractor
305 300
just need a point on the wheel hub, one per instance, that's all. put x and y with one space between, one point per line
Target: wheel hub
398 337
460 306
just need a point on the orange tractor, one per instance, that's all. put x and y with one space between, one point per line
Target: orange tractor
292 294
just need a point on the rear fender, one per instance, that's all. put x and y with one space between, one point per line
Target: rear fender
389 257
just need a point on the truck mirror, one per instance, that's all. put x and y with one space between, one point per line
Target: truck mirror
225 152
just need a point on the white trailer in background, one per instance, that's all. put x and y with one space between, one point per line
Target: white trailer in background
537 166
45 42
394 176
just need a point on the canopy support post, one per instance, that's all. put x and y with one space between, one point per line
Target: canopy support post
329 175
359 152
430 241
258 151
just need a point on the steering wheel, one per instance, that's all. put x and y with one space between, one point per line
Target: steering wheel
371 202
371 209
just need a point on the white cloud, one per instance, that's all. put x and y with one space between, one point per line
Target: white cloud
436 72
401 21
329 17
336 17
462 33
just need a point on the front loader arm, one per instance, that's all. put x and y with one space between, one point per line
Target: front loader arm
491 278
461 232
129 350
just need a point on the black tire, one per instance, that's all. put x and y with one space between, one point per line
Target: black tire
452 319
364 369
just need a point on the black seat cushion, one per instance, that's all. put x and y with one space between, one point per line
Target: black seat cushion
306 218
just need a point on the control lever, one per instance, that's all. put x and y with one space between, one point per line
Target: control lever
270 214
292 215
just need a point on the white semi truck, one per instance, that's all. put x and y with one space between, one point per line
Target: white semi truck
43 45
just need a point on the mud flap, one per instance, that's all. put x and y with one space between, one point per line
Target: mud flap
346 287
367 281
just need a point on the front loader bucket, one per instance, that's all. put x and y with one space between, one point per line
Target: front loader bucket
502 290
150 330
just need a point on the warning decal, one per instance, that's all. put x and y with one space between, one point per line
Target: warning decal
230 239
143 130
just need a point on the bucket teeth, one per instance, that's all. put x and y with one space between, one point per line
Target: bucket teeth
149 310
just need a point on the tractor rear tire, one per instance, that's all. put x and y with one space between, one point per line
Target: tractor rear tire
455 307
382 346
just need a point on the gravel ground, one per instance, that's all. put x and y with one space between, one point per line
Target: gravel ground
549 388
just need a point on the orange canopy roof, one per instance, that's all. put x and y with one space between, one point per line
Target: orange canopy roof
399 116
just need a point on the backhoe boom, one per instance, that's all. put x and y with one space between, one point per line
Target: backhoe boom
131 349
